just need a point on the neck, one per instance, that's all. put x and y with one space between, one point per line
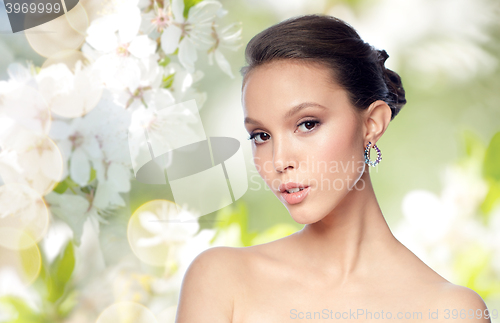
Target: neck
354 234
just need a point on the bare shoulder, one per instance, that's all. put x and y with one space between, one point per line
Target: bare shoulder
215 260
460 295
459 304
207 290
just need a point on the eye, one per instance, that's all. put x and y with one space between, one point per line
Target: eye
309 125
256 135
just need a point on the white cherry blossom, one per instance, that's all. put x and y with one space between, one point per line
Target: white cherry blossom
195 31
100 136
229 38
113 179
115 37
70 94
73 210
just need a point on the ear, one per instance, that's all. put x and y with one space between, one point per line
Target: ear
376 120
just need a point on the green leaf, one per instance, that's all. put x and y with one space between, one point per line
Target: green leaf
491 200
92 174
54 291
64 185
474 146
21 310
70 182
69 303
188 4
60 273
167 81
491 164
65 263
61 187
86 189
164 61
491 173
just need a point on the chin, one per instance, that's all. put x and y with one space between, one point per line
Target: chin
305 218
305 221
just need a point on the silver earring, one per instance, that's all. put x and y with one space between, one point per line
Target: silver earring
367 155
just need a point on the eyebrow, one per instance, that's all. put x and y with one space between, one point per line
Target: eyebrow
290 112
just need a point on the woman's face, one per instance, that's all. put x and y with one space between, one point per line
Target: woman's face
305 131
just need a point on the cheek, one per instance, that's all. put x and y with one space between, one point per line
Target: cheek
338 159
264 168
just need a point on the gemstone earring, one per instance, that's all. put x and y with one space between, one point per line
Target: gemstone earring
367 155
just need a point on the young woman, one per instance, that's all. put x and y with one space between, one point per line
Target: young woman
316 99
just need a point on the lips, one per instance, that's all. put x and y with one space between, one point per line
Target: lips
290 186
294 193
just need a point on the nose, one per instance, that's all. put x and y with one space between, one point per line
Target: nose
281 160
280 168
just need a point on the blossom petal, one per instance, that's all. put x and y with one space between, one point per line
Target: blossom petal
187 54
59 130
65 147
142 46
129 23
204 11
51 164
92 148
115 199
178 10
222 12
231 34
119 73
162 98
211 58
101 33
223 63
119 176
170 39
72 209
19 73
79 167
102 195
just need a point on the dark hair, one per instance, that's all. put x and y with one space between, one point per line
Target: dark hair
355 65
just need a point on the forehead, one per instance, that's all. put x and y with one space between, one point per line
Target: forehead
286 83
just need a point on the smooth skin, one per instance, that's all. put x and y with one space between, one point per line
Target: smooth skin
345 259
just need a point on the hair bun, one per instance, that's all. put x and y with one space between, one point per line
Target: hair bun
382 56
396 97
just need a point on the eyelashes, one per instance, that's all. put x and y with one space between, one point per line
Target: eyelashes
256 135
314 122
